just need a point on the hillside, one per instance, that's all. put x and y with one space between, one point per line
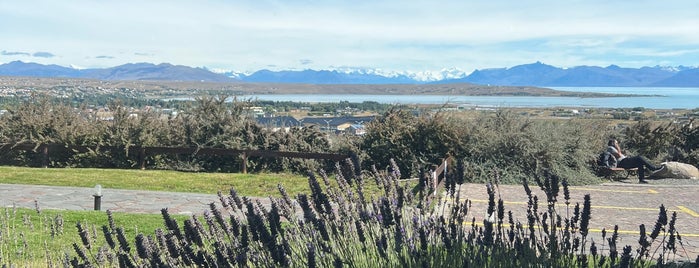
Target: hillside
174 89
131 71
539 74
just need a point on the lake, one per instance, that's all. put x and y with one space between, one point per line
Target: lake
667 98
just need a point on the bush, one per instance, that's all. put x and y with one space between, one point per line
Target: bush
212 122
517 145
664 142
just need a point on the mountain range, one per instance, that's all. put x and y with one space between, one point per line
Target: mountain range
534 74
131 71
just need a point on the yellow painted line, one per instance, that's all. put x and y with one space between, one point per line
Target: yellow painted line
688 211
681 208
649 191
630 208
591 230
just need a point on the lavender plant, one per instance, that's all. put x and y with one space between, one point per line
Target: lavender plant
337 226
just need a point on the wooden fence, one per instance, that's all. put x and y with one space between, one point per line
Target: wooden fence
438 175
143 152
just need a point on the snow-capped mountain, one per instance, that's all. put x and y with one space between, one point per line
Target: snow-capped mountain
395 76
433 76
419 76
230 73
674 68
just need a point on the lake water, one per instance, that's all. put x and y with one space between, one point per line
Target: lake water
667 98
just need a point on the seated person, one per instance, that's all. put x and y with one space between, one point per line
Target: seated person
630 162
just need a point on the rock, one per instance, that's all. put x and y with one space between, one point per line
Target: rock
676 170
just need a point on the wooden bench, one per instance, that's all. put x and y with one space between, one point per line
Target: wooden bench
611 173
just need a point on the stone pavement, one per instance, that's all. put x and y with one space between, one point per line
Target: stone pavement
77 198
622 204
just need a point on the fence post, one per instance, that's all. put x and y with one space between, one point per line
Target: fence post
444 163
434 181
45 156
245 163
142 158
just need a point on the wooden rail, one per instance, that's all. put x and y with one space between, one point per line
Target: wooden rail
439 173
144 152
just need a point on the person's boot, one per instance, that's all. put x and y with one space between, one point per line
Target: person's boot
641 176
658 168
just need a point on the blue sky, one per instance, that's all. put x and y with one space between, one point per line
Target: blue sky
399 35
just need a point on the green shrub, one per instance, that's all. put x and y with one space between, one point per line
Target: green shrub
517 145
211 122
663 142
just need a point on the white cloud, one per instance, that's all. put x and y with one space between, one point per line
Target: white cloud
397 35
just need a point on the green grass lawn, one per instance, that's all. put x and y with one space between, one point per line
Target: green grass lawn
26 236
263 184
30 238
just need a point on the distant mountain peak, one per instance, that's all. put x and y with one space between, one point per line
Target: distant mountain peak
418 76
673 68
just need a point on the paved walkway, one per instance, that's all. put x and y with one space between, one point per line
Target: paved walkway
77 198
623 204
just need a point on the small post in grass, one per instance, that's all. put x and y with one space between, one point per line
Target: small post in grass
45 156
245 163
98 197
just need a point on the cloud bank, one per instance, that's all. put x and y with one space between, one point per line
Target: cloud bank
392 35
43 54
14 53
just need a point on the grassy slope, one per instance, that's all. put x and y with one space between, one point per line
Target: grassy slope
156 180
27 238
20 226
26 225
23 225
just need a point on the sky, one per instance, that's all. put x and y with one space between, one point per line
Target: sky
395 35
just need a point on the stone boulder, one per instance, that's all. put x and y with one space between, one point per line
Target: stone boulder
676 170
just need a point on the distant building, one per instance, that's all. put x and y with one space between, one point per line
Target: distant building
336 124
255 111
357 129
278 122
104 115
566 113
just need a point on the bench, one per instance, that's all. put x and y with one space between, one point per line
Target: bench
611 173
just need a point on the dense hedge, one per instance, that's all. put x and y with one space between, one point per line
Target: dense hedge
210 122
664 141
517 146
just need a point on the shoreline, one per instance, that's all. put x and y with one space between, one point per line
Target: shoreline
178 89
466 95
